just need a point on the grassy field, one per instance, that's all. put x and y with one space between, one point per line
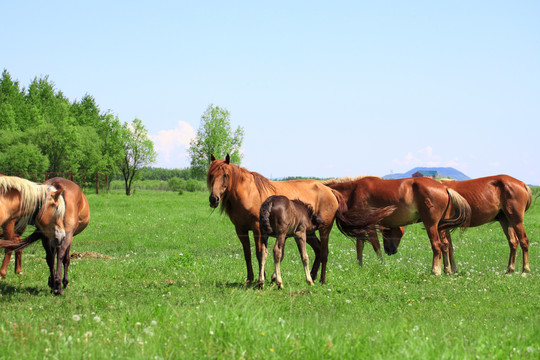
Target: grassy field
171 287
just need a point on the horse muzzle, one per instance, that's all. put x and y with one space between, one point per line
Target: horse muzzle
59 236
390 250
214 201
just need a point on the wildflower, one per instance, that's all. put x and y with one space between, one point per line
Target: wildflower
97 319
76 317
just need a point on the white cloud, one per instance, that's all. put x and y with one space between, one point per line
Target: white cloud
426 157
171 145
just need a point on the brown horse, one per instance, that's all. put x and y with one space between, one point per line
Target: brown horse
499 198
23 202
415 199
75 219
282 218
241 193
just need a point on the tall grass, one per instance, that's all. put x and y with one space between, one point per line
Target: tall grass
173 287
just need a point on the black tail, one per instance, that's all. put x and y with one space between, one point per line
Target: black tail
355 223
264 217
10 245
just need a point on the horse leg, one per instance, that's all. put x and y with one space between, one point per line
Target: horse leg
5 264
325 234
67 259
436 247
49 256
301 243
262 273
445 247
278 256
359 250
243 235
374 240
453 265
512 242
519 230
315 244
9 234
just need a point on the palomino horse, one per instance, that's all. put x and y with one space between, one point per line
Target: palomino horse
23 202
241 193
415 199
499 198
75 219
282 218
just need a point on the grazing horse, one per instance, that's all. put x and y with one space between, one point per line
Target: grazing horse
75 219
415 199
282 218
23 202
499 198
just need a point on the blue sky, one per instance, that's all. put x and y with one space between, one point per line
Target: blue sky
325 89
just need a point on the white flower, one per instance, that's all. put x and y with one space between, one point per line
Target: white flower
76 317
97 319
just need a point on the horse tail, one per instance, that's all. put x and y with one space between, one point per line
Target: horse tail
264 217
11 245
529 200
462 211
355 223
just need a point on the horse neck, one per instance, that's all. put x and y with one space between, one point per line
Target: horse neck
243 189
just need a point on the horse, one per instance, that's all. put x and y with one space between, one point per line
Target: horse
499 198
23 202
240 194
415 199
75 219
282 218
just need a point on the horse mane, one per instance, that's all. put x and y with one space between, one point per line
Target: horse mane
32 197
345 179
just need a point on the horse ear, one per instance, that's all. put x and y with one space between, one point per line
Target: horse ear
212 157
227 159
56 194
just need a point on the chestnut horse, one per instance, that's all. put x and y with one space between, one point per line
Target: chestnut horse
499 198
415 199
23 202
76 218
240 194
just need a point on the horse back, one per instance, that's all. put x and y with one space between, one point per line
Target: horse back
491 195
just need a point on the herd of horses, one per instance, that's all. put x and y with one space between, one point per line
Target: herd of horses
299 208
360 208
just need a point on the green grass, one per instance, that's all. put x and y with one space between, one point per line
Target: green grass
173 288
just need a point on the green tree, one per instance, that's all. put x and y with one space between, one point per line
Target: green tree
215 136
138 151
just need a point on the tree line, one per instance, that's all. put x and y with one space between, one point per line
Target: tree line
41 130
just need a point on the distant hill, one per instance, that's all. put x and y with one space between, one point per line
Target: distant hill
446 172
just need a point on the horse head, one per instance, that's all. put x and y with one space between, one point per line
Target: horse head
50 219
391 239
218 179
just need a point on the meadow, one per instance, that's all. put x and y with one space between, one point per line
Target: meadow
166 281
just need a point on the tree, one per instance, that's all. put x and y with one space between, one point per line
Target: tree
215 136
138 151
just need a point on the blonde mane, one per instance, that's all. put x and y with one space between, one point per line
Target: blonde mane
32 197
344 179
